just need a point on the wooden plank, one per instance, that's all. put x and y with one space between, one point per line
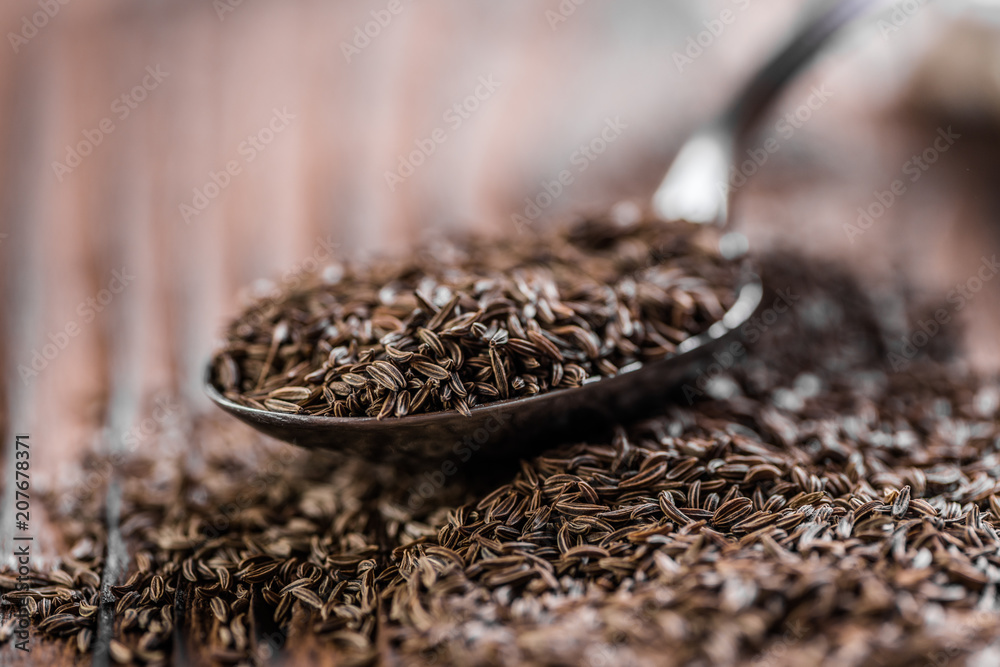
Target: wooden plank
321 176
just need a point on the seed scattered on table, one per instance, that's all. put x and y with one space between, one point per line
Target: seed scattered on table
734 531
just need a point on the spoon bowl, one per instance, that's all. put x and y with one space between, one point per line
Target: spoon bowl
517 422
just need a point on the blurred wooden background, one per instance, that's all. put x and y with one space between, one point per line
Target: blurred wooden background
226 66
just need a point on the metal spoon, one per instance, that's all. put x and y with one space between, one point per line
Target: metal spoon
695 190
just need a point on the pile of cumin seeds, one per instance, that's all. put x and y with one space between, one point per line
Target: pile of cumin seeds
470 322
826 511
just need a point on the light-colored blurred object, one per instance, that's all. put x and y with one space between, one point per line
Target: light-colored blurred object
961 74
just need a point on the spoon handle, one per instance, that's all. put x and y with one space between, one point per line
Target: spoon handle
696 186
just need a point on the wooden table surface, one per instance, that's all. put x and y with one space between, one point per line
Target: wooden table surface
125 244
